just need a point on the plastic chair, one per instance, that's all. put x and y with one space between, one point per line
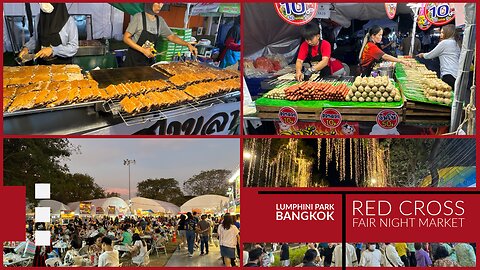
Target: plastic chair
145 259
53 262
83 251
160 244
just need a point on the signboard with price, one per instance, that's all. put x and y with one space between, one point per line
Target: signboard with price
331 118
387 119
439 13
288 116
296 13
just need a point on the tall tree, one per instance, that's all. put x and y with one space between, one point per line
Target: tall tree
30 161
208 182
163 189
76 187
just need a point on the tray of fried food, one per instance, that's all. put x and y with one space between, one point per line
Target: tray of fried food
45 96
210 89
22 101
58 69
73 69
112 92
88 90
61 90
173 68
8 95
184 79
59 77
156 85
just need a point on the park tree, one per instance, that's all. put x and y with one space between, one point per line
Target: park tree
76 187
163 189
30 161
208 182
112 194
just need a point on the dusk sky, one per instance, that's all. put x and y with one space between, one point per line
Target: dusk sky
155 158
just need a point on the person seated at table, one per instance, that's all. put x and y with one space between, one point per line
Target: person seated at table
126 237
138 229
72 253
96 249
139 250
109 257
148 229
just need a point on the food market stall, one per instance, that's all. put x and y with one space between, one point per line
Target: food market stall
393 100
59 99
168 98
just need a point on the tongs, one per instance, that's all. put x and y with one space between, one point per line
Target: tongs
25 58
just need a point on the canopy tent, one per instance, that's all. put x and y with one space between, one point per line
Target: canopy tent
144 204
265 33
170 208
206 203
121 207
55 206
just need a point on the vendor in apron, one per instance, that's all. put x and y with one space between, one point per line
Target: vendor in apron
55 40
370 54
314 51
142 33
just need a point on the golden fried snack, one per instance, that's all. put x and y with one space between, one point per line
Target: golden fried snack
59 77
24 101
127 105
62 97
6 103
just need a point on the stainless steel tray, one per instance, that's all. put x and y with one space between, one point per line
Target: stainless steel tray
97 104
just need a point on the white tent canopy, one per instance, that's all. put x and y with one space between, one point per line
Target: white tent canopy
55 206
344 13
169 207
146 204
205 202
121 207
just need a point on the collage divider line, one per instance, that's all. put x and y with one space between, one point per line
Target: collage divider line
344 231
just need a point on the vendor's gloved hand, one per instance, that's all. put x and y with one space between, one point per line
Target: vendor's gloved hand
307 74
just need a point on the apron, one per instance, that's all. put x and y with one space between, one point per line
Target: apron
135 58
326 71
366 71
56 60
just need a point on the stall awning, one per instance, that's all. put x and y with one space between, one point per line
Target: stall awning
130 8
207 8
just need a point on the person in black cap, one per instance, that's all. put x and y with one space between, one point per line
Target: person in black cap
55 40
143 32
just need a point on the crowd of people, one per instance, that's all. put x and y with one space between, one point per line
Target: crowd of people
103 241
367 255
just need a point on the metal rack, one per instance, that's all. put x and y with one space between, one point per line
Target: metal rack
114 107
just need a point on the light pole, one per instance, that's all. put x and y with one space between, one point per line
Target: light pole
128 162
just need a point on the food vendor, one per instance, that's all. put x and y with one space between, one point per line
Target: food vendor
142 34
55 40
314 51
448 51
371 53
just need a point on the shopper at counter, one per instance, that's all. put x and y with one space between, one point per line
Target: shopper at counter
55 40
231 53
316 52
448 51
371 53
143 32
